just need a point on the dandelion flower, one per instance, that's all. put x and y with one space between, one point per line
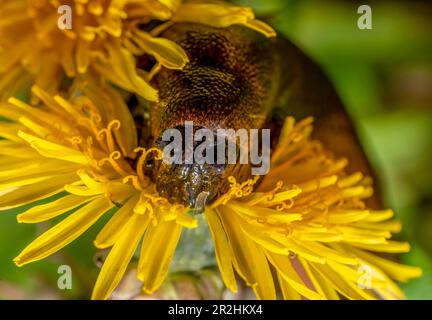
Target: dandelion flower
105 36
302 231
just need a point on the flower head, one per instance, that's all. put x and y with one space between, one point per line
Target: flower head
306 220
104 38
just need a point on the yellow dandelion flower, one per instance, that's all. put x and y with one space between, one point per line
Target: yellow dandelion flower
303 229
307 220
104 36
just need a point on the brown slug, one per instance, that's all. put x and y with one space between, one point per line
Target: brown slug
237 78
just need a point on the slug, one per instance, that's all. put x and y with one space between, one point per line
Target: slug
237 78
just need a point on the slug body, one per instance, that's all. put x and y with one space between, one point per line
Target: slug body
237 78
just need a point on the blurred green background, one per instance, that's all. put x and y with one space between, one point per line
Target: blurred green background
384 76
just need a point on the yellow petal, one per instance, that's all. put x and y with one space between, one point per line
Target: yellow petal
116 108
34 166
300 250
20 196
120 69
114 228
260 27
53 150
395 270
10 131
32 112
321 285
13 149
377 216
287 272
348 216
184 219
288 292
24 181
157 250
167 52
222 249
53 209
59 101
82 191
387 246
264 213
64 232
220 15
39 130
119 257
328 253
250 261
83 55
393 226
349 289
91 186
259 236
